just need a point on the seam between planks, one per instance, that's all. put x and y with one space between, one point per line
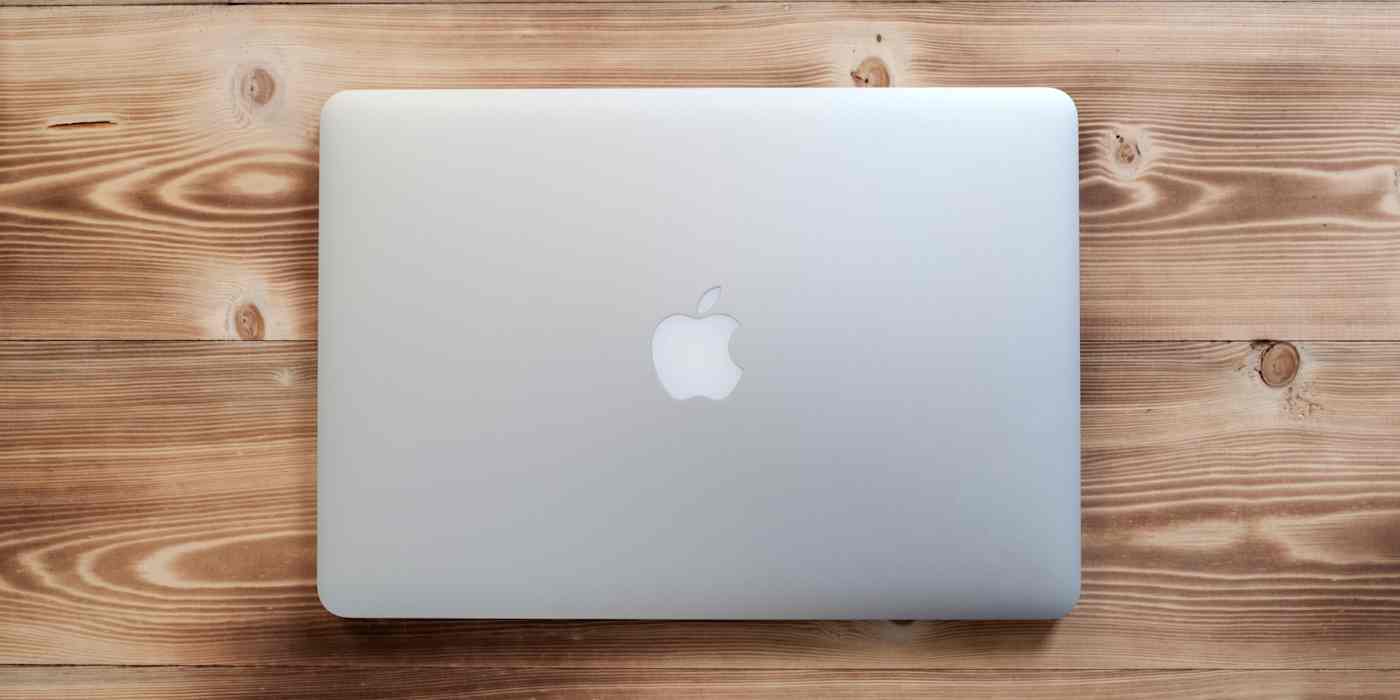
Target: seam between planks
727 669
337 3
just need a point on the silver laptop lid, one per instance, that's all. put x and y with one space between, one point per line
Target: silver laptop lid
517 287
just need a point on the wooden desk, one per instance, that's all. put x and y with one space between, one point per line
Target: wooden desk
1240 185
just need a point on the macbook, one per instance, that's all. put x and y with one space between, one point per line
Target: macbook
699 353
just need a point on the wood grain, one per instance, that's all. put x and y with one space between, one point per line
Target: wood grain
1240 179
158 505
1240 163
426 683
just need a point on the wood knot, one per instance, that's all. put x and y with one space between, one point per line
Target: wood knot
258 86
1278 365
1127 152
248 321
871 72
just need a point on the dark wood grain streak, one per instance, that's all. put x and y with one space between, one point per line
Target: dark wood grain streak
1240 163
158 508
436 683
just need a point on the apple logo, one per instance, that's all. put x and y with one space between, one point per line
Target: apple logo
691 353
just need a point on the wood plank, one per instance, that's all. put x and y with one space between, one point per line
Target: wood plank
81 3
1240 162
158 502
113 683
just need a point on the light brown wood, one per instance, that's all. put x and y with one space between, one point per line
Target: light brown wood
501 684
1240 162
1240 180
158 508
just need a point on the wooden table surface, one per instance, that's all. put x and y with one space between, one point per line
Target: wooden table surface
1240 184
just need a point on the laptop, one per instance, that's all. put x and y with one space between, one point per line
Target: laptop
699 353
